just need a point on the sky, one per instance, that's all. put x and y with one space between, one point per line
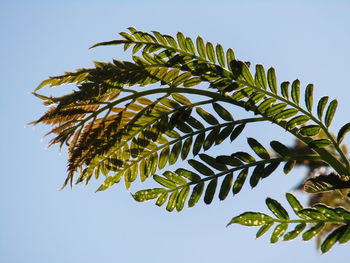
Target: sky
308 40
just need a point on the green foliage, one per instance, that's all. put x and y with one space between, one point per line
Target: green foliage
114 126
317 217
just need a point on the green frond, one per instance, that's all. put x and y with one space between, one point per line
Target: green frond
317 218
129 120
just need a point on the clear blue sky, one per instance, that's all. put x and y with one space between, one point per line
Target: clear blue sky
308 40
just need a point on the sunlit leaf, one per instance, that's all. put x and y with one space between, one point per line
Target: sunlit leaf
278 232
277 209
258 148
200 167
271 78
226 186
309 97
210 191
251 219
196 194
342 132
313 231
295 92
332 107
295 232
321 106
237 186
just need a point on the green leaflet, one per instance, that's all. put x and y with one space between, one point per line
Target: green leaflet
224 133
172 201
269 169
137 48
207 116
312 213
175 152
229 160
212 162
342 132
321 106
181 40
192 82
210 191
237 186
327 211
210 52
183 127
251 219
181 78
237 131
170 76
266 104
181 198
258 148
175 178
331 239
238 95
222 112
163 157
278 232
330 112
240 69
186 148
200 167
260 76
285 89
342 212
254 99
230 56
160 38
220 55
309 97
163 181
298 120
320 143
295 92
271 78
285 114
275 109
226 186
280 148
313 231
263 229
288 166
181 99
196 194
172 42
256 175
193 177
195 123
211 138
162 199
145 195
277 209
126 36
190 46
244 156
294 233
310 130
198 143
201 48
345 236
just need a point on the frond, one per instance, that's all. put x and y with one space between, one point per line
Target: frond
317 218
173 101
